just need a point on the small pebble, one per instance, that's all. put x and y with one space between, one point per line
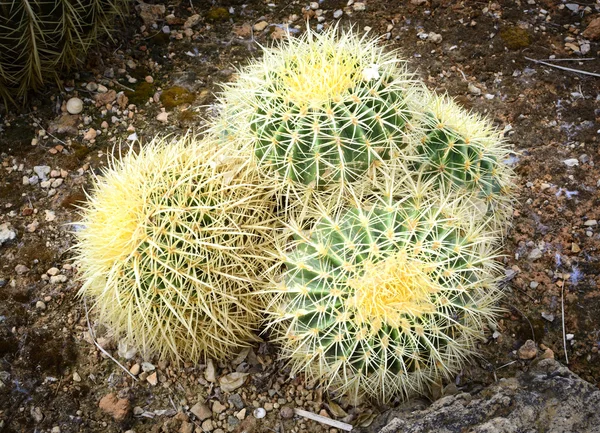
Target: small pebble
152 379
74 106
527 350
286 412
40 305
259 413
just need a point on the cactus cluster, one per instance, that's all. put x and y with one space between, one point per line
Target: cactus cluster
174 243
38 39
334 193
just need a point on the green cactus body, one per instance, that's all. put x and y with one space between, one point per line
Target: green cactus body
38 39
383 300
320 110
174 243
465 153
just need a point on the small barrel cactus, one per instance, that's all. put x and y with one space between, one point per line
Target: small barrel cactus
321 109
172 247
381 300
38 39
464 152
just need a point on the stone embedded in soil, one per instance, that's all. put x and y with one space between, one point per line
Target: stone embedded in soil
65 124
135 369
592 31
236 401
40 305
210 373
186 427
207 425
548 354
116 407
535 254
260 26
36 414
286 412
218 407
152 379
57 279
201 411
105 98
527 350
232 381
21 269
6 234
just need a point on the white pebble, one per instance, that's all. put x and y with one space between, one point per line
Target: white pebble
74 106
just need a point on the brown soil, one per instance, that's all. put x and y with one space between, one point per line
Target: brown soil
52 376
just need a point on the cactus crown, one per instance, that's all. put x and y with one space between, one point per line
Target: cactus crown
175 240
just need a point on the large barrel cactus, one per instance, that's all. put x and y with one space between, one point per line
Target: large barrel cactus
384 299
173 244
38 39
320 110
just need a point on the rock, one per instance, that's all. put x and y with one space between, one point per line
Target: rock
286 412
90 134
135 369
236 401
218 407
42 171
102 88
527 350
260 26
147 366
74 106
571 162
21 269
338 13
105 98
150 13
192 21
53 271
163 117
547 397
210 373
152 379
57 279
36 414
575 248
436 38
201 411
535 254
359 6
207 425
6 234
548 354
116 407
590 223
91 86
473 89
592 31
76 377
40 305
65 124
186 427
232 381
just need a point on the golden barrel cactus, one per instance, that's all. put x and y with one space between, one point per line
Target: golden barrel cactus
173 244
